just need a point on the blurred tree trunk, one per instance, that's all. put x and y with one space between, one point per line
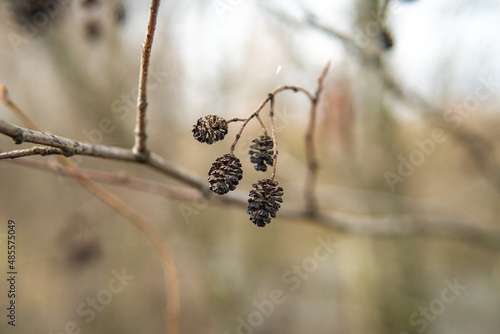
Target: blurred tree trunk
376 130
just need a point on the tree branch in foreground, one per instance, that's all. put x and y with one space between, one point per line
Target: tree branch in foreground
68 146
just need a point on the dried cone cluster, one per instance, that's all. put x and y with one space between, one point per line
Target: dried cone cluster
210 130
226 171
264 201
225 174
261 153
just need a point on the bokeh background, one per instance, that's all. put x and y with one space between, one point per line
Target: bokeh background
73 66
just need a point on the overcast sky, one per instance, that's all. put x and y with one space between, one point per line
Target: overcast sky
435 39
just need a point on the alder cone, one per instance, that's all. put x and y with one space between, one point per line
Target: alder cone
264 201
210 130
225 174
261 153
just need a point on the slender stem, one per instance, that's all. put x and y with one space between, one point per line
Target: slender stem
262 124
311 158
273 135
367 52
37 150
4 97
252 115
295 89
139 148
263 104
236 119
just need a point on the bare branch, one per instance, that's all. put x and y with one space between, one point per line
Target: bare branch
69 146
481 150
181 174
20 135
235 119
261 124
410 226
312 20
252 115
312 160
142 102
295 89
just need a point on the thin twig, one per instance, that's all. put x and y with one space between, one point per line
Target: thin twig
273 135
252 115
236 119
295 89
312 20
5 98
37 150
261 124
179 173
139 148
256 112
311 158
309 18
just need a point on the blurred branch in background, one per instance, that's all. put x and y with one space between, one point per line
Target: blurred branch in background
409 225
311 155
479 148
